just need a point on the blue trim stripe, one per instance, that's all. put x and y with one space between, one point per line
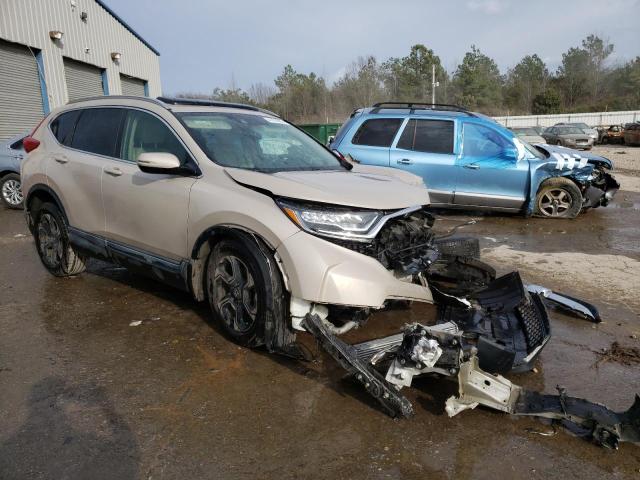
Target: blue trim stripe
125 25
43 83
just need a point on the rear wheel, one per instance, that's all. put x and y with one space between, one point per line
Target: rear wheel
52 241
11 190
244 294
558 198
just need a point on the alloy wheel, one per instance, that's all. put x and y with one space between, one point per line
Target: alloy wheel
12 192
50 241
235 293
555 202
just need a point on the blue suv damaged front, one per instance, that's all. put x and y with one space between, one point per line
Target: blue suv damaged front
590 172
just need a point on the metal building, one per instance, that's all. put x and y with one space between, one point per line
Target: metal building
54 51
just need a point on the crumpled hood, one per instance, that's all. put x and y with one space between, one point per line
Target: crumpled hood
591 158
365 189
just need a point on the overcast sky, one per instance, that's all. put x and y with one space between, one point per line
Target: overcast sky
209 43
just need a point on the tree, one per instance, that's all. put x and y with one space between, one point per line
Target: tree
409 78
547 102
478 83
361 85
597 52
525 81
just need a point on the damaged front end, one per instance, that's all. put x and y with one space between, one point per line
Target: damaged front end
486 326
591 173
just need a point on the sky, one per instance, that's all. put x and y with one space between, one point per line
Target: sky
223 43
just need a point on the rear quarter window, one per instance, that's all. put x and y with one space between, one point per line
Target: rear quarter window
429 136
378 132
63 126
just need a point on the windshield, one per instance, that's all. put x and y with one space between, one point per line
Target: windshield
582 126
569 131
256 142
525 131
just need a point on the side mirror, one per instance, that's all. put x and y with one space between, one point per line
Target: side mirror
158 162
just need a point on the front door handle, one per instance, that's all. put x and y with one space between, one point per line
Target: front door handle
61 159
404 161
114 172
472 166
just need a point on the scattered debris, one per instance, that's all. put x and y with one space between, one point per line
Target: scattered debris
628 356
136 323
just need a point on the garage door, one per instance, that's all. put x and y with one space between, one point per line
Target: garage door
83 80
132 86
20 94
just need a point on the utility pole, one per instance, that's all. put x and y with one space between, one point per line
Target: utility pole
434 84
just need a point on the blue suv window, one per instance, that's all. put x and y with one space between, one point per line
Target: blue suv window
378 132
431 136
479 141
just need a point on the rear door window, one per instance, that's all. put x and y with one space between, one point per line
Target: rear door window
144 133
63 126
430 136
97 131
378 132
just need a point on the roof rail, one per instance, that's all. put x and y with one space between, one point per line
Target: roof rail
206 103
419 106
114 97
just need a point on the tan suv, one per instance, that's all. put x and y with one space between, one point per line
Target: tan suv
226 201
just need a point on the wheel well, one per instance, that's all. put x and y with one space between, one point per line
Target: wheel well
203 246
38 195
7 172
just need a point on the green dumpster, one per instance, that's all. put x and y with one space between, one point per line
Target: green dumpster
322 132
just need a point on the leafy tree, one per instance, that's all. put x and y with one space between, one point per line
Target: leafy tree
361 85
525 81
409 78
478 82
598 51
547 102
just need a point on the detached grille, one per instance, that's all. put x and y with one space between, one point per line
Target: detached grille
535 322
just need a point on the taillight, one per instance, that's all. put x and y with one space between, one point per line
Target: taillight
30 143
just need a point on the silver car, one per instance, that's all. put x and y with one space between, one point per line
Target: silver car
11 155
592 132
568 136
528 134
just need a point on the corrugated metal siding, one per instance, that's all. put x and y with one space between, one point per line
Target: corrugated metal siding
132 86
83 80
20 95
29 21
593 119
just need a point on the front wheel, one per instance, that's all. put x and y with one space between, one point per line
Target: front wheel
245 294
558 198
11 190
52 241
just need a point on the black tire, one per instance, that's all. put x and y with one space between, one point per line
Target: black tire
52 242
10 197
254 312
558 197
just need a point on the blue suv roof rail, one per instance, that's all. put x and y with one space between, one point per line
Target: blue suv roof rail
420 106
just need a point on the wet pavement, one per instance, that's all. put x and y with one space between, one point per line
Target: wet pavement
87 392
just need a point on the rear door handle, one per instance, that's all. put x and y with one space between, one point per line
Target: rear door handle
404 161
472 166
114 172
61 159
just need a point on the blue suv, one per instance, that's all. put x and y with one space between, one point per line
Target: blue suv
467 160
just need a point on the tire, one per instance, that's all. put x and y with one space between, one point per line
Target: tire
10 191
558 198
245 296
52 242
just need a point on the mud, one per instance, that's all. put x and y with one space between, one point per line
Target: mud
88 392
617 353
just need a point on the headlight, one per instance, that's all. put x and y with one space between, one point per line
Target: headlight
332 221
